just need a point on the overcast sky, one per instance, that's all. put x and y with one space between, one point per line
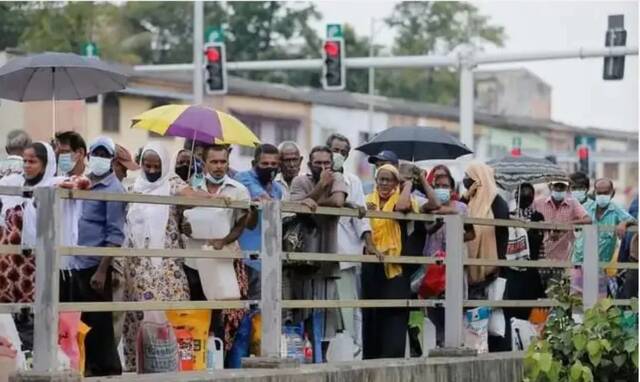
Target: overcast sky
580 96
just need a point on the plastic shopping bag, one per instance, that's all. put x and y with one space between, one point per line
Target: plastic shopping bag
476 333
156 347
9 331
68 324
495 292
196 322
83 329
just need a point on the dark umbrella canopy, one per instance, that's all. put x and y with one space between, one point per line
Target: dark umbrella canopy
512 171
59 76
416 143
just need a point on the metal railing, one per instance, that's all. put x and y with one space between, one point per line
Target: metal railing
49 248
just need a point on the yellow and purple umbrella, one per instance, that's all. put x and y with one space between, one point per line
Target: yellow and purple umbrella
197 123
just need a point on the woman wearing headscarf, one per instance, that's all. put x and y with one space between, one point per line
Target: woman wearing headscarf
17 271
152 226
490 242
440 170
384 329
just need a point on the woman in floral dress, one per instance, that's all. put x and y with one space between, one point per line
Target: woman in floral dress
152 226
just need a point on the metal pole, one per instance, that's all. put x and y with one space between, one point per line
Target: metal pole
198 37
48 237
271 279
590 271
423 61
454 281
372 80
466 99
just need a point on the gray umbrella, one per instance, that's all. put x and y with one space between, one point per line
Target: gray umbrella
512 171
58 76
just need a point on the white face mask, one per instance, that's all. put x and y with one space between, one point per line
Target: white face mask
99 166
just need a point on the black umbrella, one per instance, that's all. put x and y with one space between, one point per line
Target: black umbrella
416 143
512 171
58 76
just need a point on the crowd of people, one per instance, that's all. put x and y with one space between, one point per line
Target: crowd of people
280 173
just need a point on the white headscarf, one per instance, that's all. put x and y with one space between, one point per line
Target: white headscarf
29 211
147 223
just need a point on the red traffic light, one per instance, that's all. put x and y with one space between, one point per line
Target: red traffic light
583 152
332 48
213 54
516 152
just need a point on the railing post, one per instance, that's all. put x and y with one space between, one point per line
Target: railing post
45 344
271 277
590 269
454 292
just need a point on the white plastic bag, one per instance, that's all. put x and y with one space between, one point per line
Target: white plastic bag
495 292
522 333
208 222
476 323
218 278
9 331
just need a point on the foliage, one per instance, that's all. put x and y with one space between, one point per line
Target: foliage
602 348
155 32
434 27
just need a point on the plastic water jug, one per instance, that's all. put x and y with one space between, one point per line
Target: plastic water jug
341 348
208 222
215 353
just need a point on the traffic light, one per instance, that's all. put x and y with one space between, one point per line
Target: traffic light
333 68
216 71
583 159
616 36
516 147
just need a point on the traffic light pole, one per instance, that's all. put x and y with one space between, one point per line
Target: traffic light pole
465 61
198 42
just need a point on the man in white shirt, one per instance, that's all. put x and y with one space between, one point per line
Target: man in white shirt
354 238
218 184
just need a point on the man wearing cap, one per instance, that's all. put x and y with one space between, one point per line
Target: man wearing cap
123 162
384 157
560 208
89 277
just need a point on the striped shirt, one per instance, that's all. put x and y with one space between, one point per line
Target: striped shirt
557 245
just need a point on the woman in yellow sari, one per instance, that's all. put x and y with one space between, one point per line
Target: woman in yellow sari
384 329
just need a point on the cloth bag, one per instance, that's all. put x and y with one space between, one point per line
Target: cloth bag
518 246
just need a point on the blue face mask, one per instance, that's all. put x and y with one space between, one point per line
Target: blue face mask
579 195
197 181
443 194
66 163
99 166
603 200
558 196
213 180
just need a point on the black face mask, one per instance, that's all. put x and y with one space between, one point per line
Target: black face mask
526 200
183 172
266 175
152 177
315 173
467 182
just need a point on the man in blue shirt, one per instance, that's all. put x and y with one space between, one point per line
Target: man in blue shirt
260 183
89 277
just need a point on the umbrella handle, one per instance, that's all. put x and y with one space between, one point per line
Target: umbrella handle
53 100
193 146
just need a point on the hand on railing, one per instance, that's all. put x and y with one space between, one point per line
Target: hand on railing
310 203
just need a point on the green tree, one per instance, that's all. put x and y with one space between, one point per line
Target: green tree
12 21
434 27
